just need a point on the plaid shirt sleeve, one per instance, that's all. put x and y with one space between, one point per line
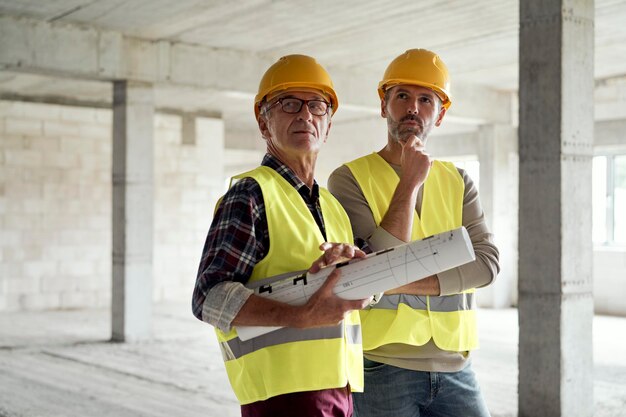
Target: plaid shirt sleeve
236 242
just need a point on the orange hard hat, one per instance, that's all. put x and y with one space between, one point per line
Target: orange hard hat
292 72
418 67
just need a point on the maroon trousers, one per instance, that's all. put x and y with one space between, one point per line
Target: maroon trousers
336 402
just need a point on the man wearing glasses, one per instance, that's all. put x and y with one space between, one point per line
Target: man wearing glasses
276 219
417 339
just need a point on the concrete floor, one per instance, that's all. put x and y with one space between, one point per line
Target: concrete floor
60 363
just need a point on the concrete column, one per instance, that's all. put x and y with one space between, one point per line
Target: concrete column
133 207
555 256
497 153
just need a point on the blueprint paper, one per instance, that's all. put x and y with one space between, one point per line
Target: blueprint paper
378 272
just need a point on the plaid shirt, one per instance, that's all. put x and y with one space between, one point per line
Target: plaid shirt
237 240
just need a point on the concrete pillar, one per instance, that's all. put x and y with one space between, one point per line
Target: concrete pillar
555 253
497 154
133 207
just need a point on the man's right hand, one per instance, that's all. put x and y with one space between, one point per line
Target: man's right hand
325 308
415 166
415 162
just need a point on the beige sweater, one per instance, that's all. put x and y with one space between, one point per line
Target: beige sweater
479 273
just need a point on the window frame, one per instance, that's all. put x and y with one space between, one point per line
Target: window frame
610 197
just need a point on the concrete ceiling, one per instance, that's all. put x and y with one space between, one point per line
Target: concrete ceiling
478 40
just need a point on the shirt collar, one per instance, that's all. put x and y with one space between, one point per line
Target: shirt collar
287 173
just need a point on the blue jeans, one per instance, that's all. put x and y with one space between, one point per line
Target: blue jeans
397 392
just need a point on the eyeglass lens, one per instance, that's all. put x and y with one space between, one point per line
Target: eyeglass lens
294 105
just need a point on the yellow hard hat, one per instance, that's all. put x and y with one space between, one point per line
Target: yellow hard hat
418 67
293 72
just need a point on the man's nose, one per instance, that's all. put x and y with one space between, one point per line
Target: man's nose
305 113
413 107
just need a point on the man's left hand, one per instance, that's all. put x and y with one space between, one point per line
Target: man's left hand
335 253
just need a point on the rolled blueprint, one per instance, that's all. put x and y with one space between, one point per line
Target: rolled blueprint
361 278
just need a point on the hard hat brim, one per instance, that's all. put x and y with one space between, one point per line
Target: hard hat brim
441 93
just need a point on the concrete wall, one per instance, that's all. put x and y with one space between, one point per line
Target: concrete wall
55 204
349 140
188 182
55 183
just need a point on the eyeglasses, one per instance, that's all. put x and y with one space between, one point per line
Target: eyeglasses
293 105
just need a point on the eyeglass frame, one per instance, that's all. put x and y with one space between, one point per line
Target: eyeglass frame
302 103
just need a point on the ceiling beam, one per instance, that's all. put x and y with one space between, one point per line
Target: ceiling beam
84 52
610 98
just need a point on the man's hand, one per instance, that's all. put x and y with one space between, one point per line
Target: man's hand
415 162
325 308
335 253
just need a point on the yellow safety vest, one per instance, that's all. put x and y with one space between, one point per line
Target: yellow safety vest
403 318
294 360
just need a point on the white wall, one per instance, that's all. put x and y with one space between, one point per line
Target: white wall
55 205
609 285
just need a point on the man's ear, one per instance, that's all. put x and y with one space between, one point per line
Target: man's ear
263 127
442 113
330 123
383 108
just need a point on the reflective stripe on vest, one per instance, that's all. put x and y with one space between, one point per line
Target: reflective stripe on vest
236 348
293 360
454 302
448 320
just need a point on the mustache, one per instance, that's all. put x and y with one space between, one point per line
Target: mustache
302 126
412 117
